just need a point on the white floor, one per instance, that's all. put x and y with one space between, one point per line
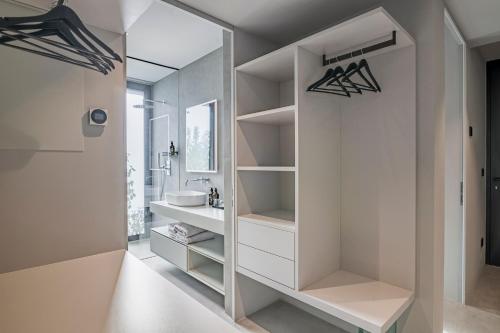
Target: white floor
110 292
483 313
282 317
140 249
466 319
487 293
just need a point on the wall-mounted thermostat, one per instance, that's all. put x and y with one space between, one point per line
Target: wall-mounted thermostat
98 117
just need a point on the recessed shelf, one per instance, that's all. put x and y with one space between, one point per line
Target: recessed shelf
212 248
268 194
267 168
365 303
280 116
279 219
210 273
370 304
274 66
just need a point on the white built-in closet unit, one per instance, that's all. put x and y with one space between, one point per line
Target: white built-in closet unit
325 184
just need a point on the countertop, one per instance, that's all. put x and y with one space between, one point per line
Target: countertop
204 217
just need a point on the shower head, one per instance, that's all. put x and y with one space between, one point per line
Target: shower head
149 106
145 107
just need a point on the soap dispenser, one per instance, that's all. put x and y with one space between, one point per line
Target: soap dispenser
211 197
172 152
215 198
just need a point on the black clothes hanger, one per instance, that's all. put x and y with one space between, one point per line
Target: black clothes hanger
56 28
331 75
80 47
368 85
333 80
351 88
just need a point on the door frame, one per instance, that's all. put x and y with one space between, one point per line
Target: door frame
488 162
450 24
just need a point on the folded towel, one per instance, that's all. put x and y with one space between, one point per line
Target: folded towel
205 235
186 230
171 228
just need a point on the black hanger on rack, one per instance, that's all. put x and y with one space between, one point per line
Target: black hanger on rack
336 78
333 83
351 87
76 40
368 85
56 28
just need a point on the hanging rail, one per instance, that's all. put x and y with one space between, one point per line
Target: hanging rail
362 51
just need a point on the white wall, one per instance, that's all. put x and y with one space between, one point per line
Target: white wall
424 20
62 205
378 174
22 125
475 156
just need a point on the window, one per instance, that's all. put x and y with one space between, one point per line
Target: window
135 163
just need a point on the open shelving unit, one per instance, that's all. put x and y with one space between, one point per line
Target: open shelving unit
203 260
322 214
206 264
211 274
212 248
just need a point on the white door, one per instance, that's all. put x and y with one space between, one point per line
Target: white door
454 223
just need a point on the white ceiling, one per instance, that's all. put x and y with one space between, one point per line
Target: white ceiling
281 21
490 51
479 20
169 36
145 72
111 15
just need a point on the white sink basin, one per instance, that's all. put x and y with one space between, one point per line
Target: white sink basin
186 198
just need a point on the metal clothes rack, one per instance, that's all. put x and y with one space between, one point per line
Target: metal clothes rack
362 51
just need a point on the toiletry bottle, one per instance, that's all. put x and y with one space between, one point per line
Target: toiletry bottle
216 198
172 148
211 197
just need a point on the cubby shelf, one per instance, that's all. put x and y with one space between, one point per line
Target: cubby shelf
277 66
211 274
279 219
366 303
212 248
280 116
267 168
371 304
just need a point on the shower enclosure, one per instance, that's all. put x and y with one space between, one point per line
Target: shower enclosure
151 127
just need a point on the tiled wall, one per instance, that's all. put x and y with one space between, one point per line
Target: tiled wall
197 83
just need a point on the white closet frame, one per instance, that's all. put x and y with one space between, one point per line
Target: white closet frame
288 183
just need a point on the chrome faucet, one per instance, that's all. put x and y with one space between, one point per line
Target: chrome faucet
201 179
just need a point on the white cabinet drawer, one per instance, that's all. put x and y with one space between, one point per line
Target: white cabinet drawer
268 239
168 249
276 268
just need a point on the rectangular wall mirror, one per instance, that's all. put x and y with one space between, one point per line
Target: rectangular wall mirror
201 137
